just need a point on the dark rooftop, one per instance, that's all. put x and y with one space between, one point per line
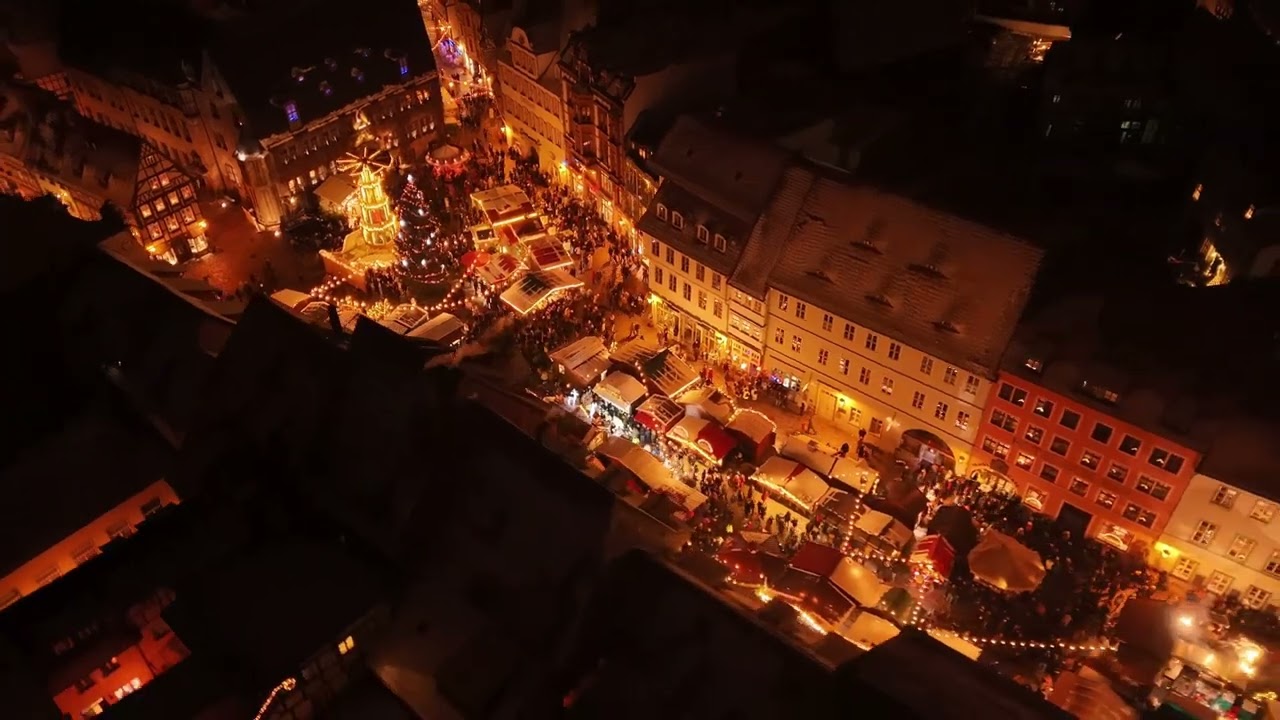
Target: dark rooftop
279 54
103 457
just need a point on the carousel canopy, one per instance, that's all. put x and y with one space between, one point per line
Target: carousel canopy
708 437
447 155
584 359
503 204
548 253
620 390
753 425
499 268
1006 564
535 288
659 413
707 402
443 329
792 479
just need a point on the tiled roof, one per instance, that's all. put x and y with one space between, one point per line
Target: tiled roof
769 236
696 211
946 286
731 171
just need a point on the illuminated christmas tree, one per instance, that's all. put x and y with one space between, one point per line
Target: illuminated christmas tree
423 253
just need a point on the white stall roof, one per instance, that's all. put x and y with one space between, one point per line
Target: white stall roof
404 318
292 299
536 288
817 456
858 582
620 390
443 328
855 473
868 630
792 479
878 524
753 424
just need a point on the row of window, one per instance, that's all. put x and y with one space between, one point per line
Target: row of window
1263 511
941 411
871 342
703 234
1219 582
700 270
1080 487
673 283
1102 433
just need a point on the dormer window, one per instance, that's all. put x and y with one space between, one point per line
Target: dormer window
291 111
703 235
677 220
1034 364
326 88
721 243
661 211
1100 392
1248 212
1195 194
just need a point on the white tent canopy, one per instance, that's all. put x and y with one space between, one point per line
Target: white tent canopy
792 479
878 524
1005 564
499 269
817 456
620 390
855 473
866 630
403 318
650 471
585 358
444 328
752 424
709 403
292 299
536 288
855 580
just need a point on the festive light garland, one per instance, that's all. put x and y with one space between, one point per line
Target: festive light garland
285 686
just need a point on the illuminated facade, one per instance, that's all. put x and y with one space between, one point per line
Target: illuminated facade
529 79
1074 458
50 150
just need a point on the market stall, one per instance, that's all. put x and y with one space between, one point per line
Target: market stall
292 299
583 361
933 557
1005 564
756 434
650 472
621 391
867 630
709 403
827 584
536 288
503 204
443 329
813 454
705 437
855 474
795 484
548 253
659 413
883 532
498 269
753 558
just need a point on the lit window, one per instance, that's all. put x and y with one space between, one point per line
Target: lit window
886 385
1034 434
950 374
1272 567
661 211
1263 511
996 448
291 111
1225 496
1184 568
1248 213
971 385
1119 473
346 645
1205 532
1043 408
1034 364
1090 459
844 366
940 411
1079 487
823 356
1003 420
1219 582
1106 499
795 343
1241 547
1195 193
1024 461
1035 499
1255 597
1007 392
962 420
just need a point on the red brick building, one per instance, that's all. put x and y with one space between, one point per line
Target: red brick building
1100 446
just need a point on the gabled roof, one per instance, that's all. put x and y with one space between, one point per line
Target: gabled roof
735 173
769 235
944 285
696 212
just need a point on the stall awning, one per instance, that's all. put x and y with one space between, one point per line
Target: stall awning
659 413
403 318
443 329
753 425
855 580
855 473
709 438
881 525
584 359
620 390
548 253
535 288
792 479
499 269
708 403
815 455
651 472
503 204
